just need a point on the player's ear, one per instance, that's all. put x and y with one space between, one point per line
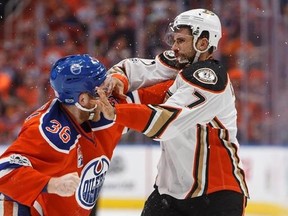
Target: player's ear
84 99
202 44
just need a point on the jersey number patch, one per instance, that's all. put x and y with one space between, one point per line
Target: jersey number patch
56 127
200 99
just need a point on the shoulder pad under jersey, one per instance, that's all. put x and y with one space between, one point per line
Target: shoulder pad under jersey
209 75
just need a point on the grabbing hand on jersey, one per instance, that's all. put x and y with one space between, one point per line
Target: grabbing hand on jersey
65 185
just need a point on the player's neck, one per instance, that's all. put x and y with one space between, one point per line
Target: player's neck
205 56
78 115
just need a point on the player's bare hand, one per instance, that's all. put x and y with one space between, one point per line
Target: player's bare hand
104 105
65 185
118 88
118 83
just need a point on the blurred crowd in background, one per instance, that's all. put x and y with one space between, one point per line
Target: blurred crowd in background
254 48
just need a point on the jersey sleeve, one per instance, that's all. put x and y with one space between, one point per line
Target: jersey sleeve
154 94
18 178
191 103
160 122
156 122
146 72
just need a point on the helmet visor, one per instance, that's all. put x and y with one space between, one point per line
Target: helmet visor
173 32
169 34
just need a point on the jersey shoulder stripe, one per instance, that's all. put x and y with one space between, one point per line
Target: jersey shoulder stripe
209 75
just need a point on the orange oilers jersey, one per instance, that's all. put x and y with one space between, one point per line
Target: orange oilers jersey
197 130
52 144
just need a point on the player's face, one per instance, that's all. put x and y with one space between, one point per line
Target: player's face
182 45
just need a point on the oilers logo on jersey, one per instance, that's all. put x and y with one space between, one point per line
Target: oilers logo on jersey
92 178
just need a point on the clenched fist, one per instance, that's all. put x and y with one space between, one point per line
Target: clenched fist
65 185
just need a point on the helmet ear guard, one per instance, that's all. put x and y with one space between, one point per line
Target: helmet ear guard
75 74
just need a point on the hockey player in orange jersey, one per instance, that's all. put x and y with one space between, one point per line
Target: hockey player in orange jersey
58 163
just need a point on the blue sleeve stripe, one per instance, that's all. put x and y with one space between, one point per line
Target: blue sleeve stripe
8 165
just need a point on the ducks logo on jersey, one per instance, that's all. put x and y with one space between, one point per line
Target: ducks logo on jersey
206 75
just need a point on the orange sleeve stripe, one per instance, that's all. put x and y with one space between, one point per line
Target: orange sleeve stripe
134 116
8 208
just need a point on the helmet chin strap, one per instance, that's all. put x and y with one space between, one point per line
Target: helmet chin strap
85 109
198 52
196 57
91 113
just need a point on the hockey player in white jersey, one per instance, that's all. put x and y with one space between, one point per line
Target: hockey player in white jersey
199 172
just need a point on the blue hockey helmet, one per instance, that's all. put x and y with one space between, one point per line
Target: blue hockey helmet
75 74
